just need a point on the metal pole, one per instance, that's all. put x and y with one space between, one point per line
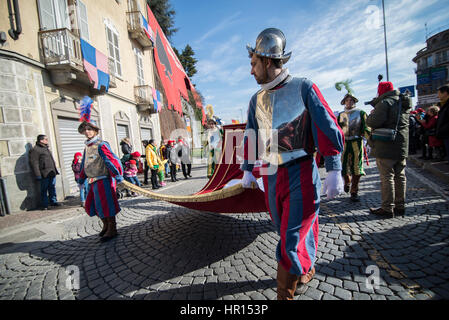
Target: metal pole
385 38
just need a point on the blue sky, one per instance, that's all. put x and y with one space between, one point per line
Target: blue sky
330 40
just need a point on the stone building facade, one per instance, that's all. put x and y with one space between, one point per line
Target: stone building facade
432 68
42 81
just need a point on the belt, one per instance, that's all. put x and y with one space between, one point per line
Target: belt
94 179
298 160
284 157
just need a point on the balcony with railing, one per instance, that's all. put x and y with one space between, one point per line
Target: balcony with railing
144 98
62 56
61 49
136 30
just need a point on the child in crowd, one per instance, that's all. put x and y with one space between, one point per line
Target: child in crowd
131 174
76 168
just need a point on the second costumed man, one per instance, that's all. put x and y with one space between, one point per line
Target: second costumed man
353 123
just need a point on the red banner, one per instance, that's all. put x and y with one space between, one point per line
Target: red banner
170 70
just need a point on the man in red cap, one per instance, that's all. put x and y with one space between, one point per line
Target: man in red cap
391 110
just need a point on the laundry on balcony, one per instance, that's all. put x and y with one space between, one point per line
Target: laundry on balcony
96 65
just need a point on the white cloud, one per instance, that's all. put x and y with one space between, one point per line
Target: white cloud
340 44
219 27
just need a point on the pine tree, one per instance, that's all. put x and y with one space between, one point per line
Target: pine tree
164 15
188 61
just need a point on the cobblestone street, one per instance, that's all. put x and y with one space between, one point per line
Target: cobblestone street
166 252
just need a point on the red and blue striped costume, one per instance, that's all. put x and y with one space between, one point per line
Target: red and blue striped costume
101 197
292 193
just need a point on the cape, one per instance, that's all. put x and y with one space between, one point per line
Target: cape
214 197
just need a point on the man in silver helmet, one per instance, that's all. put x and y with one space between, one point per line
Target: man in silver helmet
288 121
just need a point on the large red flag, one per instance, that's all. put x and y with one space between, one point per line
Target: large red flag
170 70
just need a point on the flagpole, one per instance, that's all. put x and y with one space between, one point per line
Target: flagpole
385 40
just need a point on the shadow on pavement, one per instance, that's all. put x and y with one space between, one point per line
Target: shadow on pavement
171 250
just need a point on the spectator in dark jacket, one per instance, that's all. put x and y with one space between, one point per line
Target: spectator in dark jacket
390 155
442 130
127 148
44 169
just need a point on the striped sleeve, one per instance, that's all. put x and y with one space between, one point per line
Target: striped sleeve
111 160
82 174
250 150
327 134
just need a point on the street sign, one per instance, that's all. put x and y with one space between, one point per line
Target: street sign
428 99
410 90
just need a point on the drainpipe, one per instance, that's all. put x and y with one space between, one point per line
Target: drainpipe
16 29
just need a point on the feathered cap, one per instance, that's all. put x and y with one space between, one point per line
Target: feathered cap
84 110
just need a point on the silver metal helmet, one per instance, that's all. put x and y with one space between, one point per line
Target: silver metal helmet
270 43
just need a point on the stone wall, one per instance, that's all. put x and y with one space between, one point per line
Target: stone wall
22 100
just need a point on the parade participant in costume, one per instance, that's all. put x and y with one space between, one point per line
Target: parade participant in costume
295 110
213 144
103 170
352 121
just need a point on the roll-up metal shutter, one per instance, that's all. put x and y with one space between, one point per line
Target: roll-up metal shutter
71 143
146 133
122 132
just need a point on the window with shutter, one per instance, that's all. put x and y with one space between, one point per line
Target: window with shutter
113 48
83 22
139 63
53 14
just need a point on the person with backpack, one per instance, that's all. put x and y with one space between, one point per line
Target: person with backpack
391 111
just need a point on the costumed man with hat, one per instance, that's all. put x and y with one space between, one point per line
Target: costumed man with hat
288 120
353 123
103 170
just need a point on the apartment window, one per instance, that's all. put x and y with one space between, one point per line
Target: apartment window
53 14
139 64
82 20
445 56
113 48
430 61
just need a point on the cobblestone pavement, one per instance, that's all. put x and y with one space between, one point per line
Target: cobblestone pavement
164 251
